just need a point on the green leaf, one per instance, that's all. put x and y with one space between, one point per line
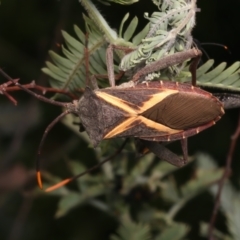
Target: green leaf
67 203
162 38
219 77
69 72
73 45
175 232
131 29
142 34
204 68
130 230
125 18
203 180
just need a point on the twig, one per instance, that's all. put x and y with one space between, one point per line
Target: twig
32 85
222 180
3 90
11 98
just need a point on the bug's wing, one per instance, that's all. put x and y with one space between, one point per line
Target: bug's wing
127 105
157 111
184 111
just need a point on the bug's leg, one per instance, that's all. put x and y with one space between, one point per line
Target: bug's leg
66 181
110 70
167 61
163 153
193 67
89 79
116 76
49 127
110 65
185 150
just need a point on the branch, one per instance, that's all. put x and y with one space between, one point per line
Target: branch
222 180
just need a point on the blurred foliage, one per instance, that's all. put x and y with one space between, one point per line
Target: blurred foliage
131 197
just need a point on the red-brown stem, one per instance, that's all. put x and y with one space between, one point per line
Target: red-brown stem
42 89
222 180
12 99
3 90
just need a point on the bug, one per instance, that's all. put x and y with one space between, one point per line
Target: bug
158 111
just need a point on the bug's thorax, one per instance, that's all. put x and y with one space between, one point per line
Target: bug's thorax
90 114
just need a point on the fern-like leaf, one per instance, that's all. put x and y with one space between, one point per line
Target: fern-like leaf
175 232
130 230
219 77
69 72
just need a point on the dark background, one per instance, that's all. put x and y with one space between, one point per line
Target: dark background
28 30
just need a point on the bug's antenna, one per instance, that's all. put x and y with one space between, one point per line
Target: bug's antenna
216 44
213 44
38 96
69 107
66 181
198 44
49 127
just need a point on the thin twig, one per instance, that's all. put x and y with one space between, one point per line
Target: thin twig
11 98
222 180
3 90
42 89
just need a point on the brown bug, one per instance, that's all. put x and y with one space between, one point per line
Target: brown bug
158 111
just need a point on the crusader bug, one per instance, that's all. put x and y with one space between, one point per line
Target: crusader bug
158 111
